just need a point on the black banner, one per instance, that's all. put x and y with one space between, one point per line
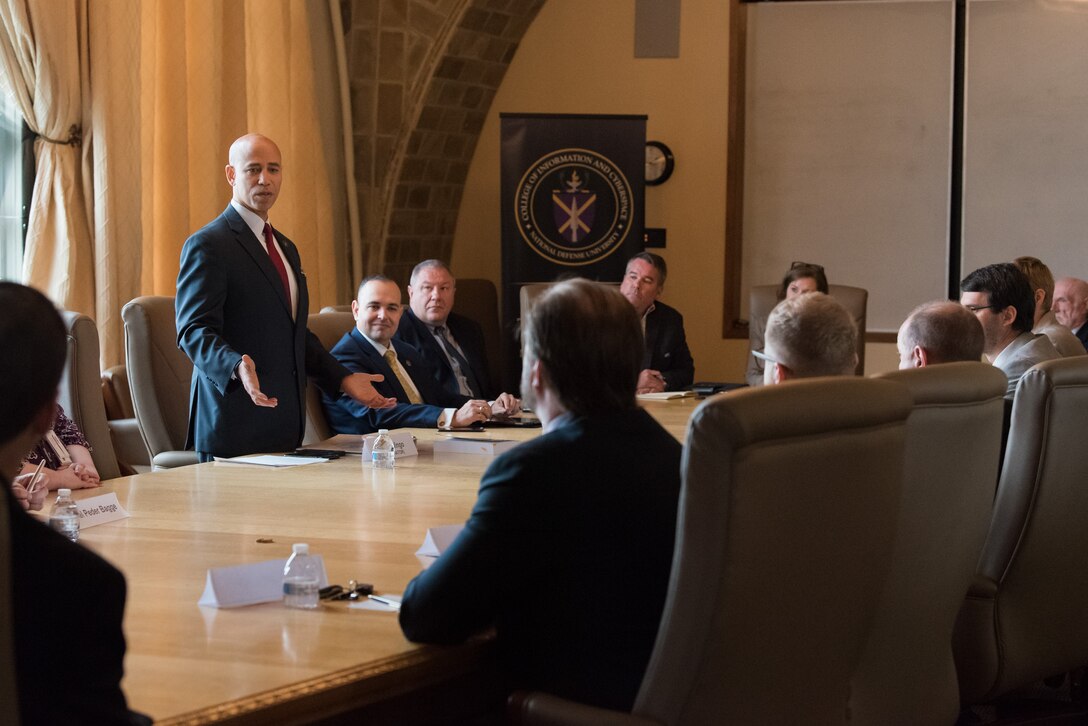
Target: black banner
572 198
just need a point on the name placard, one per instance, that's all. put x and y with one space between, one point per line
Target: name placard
404 444
99 510
438 539
232 587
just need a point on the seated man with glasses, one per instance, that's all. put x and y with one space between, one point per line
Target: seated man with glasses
1001 298
807 336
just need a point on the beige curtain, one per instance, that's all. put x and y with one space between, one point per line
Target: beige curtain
212 71
161 88
43 50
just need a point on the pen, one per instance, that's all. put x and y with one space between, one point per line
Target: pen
33 486
388 602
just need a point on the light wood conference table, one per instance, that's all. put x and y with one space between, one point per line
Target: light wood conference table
266 663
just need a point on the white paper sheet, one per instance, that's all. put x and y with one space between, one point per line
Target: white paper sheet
272 460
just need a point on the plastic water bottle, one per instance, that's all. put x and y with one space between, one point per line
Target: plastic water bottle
300 579
64 517
382 452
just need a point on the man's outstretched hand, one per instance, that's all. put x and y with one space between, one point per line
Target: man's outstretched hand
360 386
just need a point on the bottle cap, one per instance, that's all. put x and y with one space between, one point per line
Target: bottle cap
64 492
382 431
300 548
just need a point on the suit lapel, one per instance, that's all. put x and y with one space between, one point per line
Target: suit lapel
426 340
652 333
259 254
391 382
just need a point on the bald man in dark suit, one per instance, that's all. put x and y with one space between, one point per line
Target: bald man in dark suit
241 318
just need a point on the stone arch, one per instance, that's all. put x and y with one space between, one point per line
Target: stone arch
423 76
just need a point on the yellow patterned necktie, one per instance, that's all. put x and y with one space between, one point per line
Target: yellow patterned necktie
402 376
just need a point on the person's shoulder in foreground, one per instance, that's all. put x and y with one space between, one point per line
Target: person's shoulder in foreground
568 549
64 674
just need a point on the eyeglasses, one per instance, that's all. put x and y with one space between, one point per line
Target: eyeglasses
354 591
976 308
796 264
763 356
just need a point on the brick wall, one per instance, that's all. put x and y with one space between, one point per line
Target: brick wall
422 74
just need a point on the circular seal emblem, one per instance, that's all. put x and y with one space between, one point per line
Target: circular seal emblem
573 207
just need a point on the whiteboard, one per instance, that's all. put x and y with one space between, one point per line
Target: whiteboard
1026 134
848 147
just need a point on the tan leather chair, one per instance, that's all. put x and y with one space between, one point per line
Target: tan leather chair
1024 617
784 540
763 298
907 674
9 694
81 391
159 377
336 308
117 394
478 299
329 327
128 443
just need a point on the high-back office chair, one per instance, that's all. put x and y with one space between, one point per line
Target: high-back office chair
784 539
763 298
1024 615
907 674
478 299
81 391
329 327
159 376
9 694
128 442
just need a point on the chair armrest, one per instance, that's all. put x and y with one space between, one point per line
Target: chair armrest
174 459
983 587
533 708
128 442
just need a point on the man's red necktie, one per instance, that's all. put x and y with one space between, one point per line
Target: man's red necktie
277 260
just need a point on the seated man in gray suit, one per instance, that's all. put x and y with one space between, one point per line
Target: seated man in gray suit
1071 306
807 336
421 402
1000 296
1042 285
941 331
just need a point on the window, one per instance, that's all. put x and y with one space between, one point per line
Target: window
16 183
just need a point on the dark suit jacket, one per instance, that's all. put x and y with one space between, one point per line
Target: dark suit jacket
567 553
231 302
469 336
65 672
348 416
667 349
1082 335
